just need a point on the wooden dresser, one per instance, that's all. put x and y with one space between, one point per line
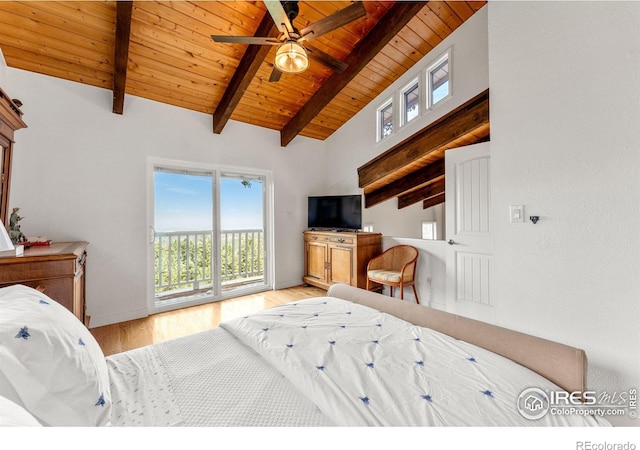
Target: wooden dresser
58 270
339 257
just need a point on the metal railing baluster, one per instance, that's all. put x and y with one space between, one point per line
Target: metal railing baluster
242 259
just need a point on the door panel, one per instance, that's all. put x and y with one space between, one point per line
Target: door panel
340 263
317 257
469 232
242 226
472 277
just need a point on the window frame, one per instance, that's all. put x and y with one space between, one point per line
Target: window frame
445 57
397 99
414 84
379 119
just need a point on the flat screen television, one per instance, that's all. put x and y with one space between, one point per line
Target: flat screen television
335 212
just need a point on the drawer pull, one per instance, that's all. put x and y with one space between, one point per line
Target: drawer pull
82 259
315 238
40 288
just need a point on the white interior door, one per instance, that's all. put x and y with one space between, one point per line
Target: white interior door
469 231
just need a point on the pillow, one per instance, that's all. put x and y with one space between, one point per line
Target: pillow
14 415
50 363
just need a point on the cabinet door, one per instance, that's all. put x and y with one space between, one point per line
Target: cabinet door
316 259
340 264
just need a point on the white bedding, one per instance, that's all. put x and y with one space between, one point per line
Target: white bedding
356 366
207 379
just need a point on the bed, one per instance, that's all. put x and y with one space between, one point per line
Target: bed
352 358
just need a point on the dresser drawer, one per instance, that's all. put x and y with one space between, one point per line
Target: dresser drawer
328 238
341 240
315 237
57 270
21 272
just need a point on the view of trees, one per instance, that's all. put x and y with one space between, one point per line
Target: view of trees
184 261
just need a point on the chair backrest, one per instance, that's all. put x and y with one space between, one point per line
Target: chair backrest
400 255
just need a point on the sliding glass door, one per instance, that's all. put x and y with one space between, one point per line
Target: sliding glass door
242 222
208 233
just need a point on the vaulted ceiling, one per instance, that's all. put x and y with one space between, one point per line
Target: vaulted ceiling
163 51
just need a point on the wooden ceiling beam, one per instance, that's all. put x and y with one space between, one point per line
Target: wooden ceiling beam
433 201
121 59
465 119
426 192
406 183
389 25
251 61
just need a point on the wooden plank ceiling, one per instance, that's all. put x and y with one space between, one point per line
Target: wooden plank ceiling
163 51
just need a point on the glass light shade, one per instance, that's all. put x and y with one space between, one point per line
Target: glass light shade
291 58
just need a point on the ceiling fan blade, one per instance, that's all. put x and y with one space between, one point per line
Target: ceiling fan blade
246 40
336 20
275 75
325 59
279 16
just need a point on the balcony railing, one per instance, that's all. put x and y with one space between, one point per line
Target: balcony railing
184 263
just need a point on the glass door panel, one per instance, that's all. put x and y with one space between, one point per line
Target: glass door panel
242 231
183 229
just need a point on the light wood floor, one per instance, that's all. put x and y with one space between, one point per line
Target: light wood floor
125 336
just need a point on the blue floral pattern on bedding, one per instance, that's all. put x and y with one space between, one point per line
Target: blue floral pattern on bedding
56 368
364 367
24 334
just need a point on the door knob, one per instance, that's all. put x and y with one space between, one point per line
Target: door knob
450 242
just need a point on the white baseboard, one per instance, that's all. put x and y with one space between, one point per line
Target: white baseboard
287 284
110 319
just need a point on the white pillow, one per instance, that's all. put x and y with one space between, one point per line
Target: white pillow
49 362
14 415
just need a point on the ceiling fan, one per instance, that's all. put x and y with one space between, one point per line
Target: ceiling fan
293 56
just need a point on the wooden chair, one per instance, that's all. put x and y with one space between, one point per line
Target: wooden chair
396 267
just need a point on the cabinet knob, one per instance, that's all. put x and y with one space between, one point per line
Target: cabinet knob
450 242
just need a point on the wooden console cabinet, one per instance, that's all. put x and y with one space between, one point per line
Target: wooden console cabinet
338 257
58 270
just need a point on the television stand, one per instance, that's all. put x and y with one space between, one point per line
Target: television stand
334 256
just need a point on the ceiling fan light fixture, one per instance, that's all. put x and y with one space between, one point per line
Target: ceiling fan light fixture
291 57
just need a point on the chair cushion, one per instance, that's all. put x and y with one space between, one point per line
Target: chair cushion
390 276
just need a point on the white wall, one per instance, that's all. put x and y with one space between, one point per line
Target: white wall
3 70
80 174
431 271
470 76
565 142
354 144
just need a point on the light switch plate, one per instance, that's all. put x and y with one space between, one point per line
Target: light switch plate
516 213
